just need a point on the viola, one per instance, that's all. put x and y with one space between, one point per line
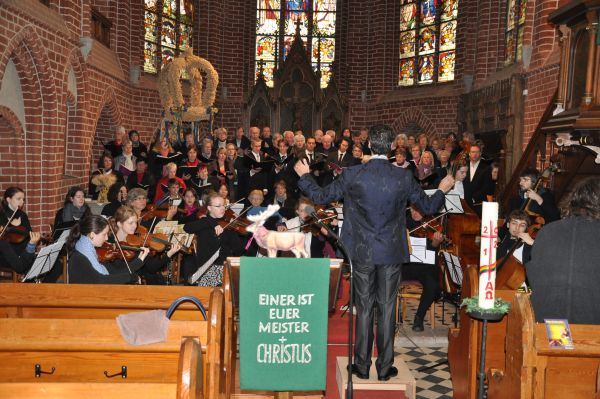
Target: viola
427 228
325 216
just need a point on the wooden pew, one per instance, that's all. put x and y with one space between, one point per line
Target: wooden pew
534 370
95 301
82 349
464 342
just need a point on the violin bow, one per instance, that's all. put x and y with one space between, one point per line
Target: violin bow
112 230
10 219
237 217
427 223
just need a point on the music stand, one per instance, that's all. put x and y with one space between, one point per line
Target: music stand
45 259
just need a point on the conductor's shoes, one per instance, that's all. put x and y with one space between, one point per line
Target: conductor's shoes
392 372
360 375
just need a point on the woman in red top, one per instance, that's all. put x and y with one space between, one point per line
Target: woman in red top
171 170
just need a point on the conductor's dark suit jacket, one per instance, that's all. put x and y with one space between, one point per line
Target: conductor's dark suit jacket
375 198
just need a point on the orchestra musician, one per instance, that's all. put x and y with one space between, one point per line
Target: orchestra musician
542 202
125 223
375 196
84 267
426 273
216 245
517 222
563 271
314 235
19 256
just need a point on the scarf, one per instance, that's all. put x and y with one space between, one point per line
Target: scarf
71 212
84 245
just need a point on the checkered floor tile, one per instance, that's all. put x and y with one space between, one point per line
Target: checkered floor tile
433 383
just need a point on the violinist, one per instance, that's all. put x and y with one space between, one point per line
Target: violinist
215 245
103 178
314 236
542 202
138 201
125 225
19 255
171 173
427 274
517 222
117 195
84 266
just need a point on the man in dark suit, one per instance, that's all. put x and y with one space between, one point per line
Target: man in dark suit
336 160
478 184
375 195
241 141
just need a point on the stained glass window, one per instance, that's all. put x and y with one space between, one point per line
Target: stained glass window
515 24
427 41
276 24
168 26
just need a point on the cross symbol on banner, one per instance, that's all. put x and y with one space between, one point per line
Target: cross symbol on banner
491 237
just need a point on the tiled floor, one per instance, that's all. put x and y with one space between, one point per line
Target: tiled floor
425 349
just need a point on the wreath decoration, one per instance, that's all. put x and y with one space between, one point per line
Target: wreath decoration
171 94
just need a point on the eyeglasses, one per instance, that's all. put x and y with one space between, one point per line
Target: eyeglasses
217 206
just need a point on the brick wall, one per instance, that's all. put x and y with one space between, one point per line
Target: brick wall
57 137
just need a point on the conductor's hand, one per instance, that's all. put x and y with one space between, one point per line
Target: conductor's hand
302 167
446 184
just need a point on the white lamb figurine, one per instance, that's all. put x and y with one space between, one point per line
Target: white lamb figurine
274 241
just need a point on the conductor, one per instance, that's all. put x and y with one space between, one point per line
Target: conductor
375 197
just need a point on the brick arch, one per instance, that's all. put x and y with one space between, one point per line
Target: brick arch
11 136
107 117
414 115
73 109
26 50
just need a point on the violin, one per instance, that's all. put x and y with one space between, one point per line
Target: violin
18 234
427 228
156 242
238 224
109 252
324 215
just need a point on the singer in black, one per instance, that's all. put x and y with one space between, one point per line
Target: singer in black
375 195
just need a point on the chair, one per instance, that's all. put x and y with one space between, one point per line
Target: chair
412 289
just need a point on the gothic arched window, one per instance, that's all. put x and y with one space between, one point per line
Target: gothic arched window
276 22
168 26
427 41
515 25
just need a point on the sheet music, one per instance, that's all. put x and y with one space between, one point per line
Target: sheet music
237 208
518 253
175 232
452 202
420 253
454 268
46 258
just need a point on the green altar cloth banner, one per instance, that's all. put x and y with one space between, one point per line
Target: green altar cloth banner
283 323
